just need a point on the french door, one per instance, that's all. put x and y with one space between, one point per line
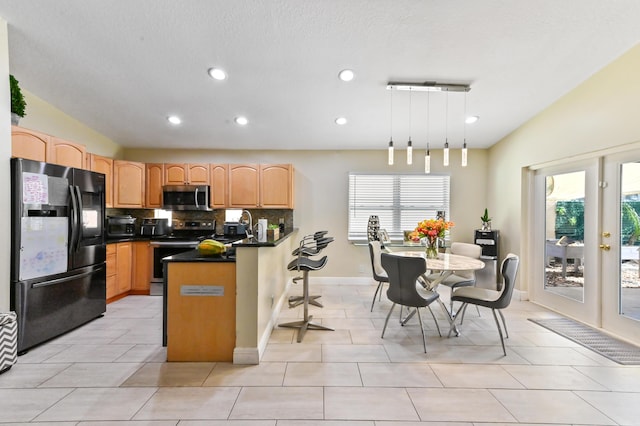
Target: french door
586 241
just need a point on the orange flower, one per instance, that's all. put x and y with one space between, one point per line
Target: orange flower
431 229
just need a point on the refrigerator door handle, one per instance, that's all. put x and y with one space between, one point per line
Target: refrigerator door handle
61 280
74 220
79 222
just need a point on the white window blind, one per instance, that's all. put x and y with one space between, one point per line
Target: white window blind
399 201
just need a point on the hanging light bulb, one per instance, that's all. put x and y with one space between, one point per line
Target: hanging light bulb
464 154
446 134
445 161
464 128
427 161
409 144
427 154
390 149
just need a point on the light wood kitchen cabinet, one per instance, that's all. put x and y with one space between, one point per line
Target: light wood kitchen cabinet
154 180
128 184
104 165
112 278
38 146
244 185
186 174
67 153
219 185
124 256
141 275
276 186
28 144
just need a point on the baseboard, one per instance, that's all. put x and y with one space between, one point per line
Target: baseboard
520 295
246 356
341 280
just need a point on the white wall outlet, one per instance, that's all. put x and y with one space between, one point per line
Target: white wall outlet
362 268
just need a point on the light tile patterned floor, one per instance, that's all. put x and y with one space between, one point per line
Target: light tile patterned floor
111 372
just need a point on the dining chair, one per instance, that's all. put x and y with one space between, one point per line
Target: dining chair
379 274
403 273
496 300
460 278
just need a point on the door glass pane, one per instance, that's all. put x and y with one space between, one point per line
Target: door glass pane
564 232
629 286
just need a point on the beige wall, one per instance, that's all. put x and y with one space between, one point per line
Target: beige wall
321 191
46 118
601 113
5 176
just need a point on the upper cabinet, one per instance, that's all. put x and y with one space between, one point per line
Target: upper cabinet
244 187
154 181
103 165
128 184
268 186
219 174
37 146
67 153
29 144
186 174
276 186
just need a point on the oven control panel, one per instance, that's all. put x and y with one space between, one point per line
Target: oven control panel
194 225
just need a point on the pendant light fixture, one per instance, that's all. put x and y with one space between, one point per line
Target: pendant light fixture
445 156
427 155
428 86
409 144
390 153
464 130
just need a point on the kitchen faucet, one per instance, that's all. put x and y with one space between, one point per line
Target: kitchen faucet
249 230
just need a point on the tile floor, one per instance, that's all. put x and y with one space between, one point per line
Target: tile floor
112 372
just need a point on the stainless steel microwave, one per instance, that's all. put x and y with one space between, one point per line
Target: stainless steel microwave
186 197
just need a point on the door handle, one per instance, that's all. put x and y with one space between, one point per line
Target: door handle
605 247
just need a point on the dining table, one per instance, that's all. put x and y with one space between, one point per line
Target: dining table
444 265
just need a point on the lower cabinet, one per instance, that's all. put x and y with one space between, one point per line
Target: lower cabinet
142 260
112 278
128 269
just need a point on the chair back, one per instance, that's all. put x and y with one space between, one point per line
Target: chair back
469 250
403 273
508 270
375 250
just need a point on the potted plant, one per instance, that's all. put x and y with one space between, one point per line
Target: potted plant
486 221
273 232
18 103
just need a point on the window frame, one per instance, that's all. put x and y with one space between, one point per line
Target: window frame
383 195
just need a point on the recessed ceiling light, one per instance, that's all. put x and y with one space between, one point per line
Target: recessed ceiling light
472 119
174 119
341 121
346 75
217 74
241 121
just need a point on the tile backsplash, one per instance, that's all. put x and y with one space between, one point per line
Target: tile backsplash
272 216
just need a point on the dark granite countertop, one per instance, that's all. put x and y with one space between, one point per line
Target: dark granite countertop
269 243
112 240
195 256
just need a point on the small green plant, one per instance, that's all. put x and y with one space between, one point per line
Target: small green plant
273 226
18 103
485 217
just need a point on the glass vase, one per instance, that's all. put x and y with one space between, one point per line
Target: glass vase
431 248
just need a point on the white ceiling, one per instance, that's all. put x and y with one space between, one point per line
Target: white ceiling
122 66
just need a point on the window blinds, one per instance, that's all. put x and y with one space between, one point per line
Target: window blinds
399 201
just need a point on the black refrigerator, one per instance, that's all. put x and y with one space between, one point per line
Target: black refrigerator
58 250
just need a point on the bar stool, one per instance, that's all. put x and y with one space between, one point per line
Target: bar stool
305 264
310 245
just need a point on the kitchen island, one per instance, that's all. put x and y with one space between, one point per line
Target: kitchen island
223 308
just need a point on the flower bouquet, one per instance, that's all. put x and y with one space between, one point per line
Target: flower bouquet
429 231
